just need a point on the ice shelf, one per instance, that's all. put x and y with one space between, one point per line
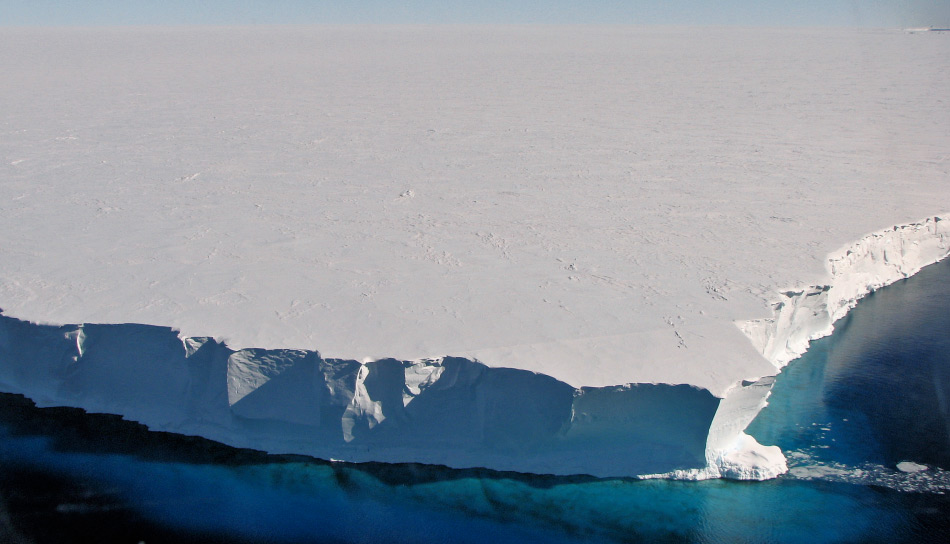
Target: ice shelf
443 213
451 411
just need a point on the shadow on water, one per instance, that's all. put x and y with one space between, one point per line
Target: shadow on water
75 430
68 476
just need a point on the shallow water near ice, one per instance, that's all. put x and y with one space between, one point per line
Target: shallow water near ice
862 400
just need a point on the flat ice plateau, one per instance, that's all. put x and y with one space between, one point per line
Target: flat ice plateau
457 244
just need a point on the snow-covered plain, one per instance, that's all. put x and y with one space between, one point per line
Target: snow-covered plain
596 205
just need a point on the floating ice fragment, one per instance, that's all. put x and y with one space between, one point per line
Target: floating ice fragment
910 466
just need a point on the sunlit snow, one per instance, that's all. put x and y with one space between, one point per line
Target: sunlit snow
601 205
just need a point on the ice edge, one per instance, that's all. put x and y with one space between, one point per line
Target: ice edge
449 411
804 314
294 401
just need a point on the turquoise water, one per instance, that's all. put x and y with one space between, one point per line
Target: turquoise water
314 502
869 396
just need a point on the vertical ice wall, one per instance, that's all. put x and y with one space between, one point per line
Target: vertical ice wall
805 314
878 259
450 411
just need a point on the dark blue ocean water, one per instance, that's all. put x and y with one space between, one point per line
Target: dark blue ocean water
873 394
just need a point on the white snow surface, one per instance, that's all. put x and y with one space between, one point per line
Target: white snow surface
911 467
601 205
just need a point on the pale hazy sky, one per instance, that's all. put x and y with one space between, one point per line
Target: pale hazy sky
873 13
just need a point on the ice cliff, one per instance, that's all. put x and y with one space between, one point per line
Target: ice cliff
803 314
451 411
